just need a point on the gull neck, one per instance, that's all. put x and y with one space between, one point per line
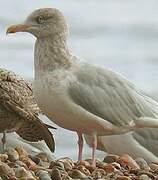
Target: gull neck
51 53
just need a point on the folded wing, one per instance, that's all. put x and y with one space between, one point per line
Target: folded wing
17 99
110 96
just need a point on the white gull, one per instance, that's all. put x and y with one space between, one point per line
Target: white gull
79 96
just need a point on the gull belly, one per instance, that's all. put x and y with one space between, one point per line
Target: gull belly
51 94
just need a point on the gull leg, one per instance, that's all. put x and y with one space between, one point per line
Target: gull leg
94 147
4 141
80 146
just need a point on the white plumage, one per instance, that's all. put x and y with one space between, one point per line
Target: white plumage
79 96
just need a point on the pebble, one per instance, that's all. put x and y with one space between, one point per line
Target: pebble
98 173
56 175
21 151
67 159
144 177
84 170
154 167
110 158
57 164
21 172
12 154
127 161
43 157
16 164
44 164
109 168
43 175
67 162
67 166
149 174
116 165
123 178
3 157
142 164
12 178
6 170
29 163
76 174
101 164
37 168
84 163
90 168
90 161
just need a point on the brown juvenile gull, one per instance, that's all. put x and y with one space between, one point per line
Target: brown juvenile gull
78 96
19 112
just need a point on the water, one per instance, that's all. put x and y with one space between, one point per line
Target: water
118 34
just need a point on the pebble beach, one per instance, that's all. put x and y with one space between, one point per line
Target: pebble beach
17 164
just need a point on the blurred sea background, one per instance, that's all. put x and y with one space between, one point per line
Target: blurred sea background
119 34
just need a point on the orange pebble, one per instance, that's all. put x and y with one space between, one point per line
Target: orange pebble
108 168
126 160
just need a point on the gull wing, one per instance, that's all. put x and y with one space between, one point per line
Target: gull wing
111 97
16 94
35 131
17 99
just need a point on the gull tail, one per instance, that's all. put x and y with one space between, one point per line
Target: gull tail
35 131
146 122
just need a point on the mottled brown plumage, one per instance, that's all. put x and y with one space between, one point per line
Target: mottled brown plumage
18 110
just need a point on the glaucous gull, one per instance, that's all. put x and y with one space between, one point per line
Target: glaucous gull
79 96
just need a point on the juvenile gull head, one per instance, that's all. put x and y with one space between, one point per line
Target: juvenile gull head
78 96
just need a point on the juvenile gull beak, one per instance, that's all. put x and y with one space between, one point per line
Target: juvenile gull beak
17 28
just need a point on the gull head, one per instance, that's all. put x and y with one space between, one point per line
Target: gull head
45 22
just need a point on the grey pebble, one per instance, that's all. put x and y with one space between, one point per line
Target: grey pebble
56 175
58 165
12 154
76 174
142 164
43 175
144 177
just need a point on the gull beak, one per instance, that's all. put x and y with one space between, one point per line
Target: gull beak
17 28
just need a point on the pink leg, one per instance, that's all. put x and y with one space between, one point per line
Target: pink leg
94 147
80 146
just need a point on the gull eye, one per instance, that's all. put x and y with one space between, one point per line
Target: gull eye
40 20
